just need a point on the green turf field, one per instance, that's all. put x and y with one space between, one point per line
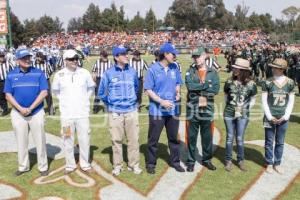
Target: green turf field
212 185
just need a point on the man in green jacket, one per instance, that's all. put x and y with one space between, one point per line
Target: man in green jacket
203 84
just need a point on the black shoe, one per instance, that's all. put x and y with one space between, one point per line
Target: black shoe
44 173
150 170
178 168
209 165
51 111
190 168
4 112
19 173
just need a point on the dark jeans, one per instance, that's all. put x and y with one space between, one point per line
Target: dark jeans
235 127
156 124
277 132
3 102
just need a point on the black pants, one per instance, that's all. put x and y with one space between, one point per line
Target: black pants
49 98
3 102
96 106
156 124
140 93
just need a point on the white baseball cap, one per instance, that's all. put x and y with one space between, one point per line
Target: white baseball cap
70 53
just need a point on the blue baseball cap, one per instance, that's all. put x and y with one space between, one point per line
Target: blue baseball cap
168 48
118 50
21 53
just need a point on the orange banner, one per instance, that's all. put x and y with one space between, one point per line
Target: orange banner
3 18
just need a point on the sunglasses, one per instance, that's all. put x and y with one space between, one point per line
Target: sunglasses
72 59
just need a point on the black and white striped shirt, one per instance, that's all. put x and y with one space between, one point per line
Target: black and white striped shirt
46 68
178 65
100 67
139 66
5 67
210 62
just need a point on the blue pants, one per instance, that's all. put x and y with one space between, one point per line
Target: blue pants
235 127
277 132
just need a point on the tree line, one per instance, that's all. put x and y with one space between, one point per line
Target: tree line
182 15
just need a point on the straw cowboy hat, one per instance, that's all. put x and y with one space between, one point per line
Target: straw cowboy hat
279 63
241 63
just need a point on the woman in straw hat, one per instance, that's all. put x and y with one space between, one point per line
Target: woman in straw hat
278 101
240 93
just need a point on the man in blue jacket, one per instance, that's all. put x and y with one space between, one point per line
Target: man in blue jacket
118 90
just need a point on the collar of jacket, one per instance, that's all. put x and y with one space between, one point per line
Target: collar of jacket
207 68
118 68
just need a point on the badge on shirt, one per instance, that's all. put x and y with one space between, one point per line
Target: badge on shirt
114 80
173 75
202 101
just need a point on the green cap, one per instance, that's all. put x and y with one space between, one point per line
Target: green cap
198 52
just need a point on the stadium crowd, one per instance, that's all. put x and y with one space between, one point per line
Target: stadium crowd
149 40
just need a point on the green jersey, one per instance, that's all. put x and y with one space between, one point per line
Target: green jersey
238 98
278 95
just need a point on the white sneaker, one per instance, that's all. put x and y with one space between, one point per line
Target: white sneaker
279 169
117 170
136 169
269 169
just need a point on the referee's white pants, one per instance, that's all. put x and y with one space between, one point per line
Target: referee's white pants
35 124
82 128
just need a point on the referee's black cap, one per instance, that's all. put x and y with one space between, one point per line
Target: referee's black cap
103 53
70 46
136 52
156 52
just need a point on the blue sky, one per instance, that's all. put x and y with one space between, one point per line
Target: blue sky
66 9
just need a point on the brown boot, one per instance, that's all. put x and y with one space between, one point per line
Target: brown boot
228 166
242 166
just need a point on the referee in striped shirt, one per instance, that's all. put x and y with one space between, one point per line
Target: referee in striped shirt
101 65
42 64
139 65
5 67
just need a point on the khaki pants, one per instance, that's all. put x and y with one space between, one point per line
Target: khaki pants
119 126
82 128
35 124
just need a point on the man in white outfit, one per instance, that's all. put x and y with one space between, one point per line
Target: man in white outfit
73 87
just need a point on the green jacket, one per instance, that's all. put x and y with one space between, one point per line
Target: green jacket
208 89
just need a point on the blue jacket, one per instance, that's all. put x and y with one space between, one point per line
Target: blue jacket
118 89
